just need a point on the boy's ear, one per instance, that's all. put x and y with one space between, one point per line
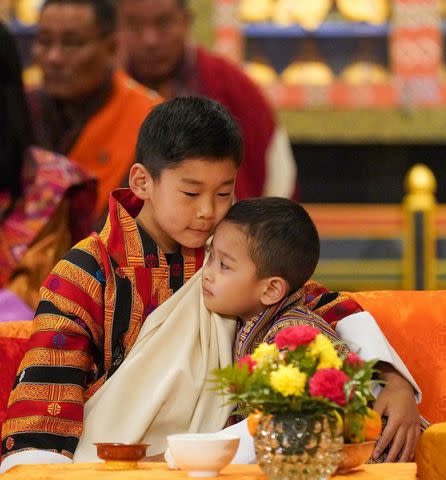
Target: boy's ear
275 289
140 181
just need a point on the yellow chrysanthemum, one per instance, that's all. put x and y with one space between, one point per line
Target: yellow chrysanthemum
265 353
288 380
328 357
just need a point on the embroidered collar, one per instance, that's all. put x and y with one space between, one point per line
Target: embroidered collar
250 330
128 243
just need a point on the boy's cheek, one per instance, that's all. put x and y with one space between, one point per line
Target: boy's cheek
224 211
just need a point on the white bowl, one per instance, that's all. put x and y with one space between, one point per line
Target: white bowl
203 454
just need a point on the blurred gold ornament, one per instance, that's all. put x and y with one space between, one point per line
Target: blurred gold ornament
442 7
27 11
308 68
362 73
256 10
420 180
311 13
32 76
262 73
307 73
282 14
371 11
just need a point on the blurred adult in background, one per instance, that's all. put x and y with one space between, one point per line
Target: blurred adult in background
45 207
86 109
156 52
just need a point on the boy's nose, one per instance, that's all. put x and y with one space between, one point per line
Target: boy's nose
207 274
206 210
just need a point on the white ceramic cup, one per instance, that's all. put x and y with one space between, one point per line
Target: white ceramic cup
203 454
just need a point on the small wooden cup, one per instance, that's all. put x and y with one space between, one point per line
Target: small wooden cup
121 456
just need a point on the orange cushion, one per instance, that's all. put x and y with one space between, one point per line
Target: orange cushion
415 324
430 457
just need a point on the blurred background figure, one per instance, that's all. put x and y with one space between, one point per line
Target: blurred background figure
85 108
157 53
45 200
45 208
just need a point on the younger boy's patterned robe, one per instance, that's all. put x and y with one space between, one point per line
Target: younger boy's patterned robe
290 312
91 310
312 305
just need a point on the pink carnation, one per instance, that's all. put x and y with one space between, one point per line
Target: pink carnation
354 360
329 383
247 360
294 337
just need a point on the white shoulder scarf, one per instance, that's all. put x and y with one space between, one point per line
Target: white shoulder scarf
162 386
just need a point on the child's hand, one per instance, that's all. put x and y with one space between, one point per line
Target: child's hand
397 402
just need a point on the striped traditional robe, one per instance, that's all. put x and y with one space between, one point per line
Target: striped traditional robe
91 310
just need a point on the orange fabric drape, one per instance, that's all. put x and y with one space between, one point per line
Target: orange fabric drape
415 324
106 146
159 471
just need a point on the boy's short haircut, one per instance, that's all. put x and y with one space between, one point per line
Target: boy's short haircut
105 12
187 127
282 238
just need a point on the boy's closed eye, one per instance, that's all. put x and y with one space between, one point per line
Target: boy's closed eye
194 194
210 252
190 194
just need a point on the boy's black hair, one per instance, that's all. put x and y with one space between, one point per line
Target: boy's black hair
105 12
187 127
282 238
15 123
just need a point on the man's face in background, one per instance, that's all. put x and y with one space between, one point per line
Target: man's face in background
153 34
75 55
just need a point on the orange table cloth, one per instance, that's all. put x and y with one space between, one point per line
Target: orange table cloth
159 471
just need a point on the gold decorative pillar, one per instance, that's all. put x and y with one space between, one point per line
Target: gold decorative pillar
419 238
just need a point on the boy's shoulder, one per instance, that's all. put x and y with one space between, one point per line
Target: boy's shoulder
84 257
294 315
77 281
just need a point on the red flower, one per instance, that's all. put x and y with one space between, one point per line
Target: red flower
329 383
247 360
294 337
354 360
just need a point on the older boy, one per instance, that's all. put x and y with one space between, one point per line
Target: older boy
94 302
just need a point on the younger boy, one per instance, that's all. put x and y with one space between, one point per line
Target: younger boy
261 257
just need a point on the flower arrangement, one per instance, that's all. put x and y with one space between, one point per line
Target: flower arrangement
302 372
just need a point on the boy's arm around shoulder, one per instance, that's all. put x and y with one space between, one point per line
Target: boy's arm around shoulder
362 334
45 408
397 400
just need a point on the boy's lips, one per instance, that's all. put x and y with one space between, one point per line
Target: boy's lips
201 231
207 292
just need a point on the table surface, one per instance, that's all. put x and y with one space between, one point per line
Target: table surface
159 471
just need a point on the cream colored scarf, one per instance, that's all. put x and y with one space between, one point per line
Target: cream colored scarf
162 386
